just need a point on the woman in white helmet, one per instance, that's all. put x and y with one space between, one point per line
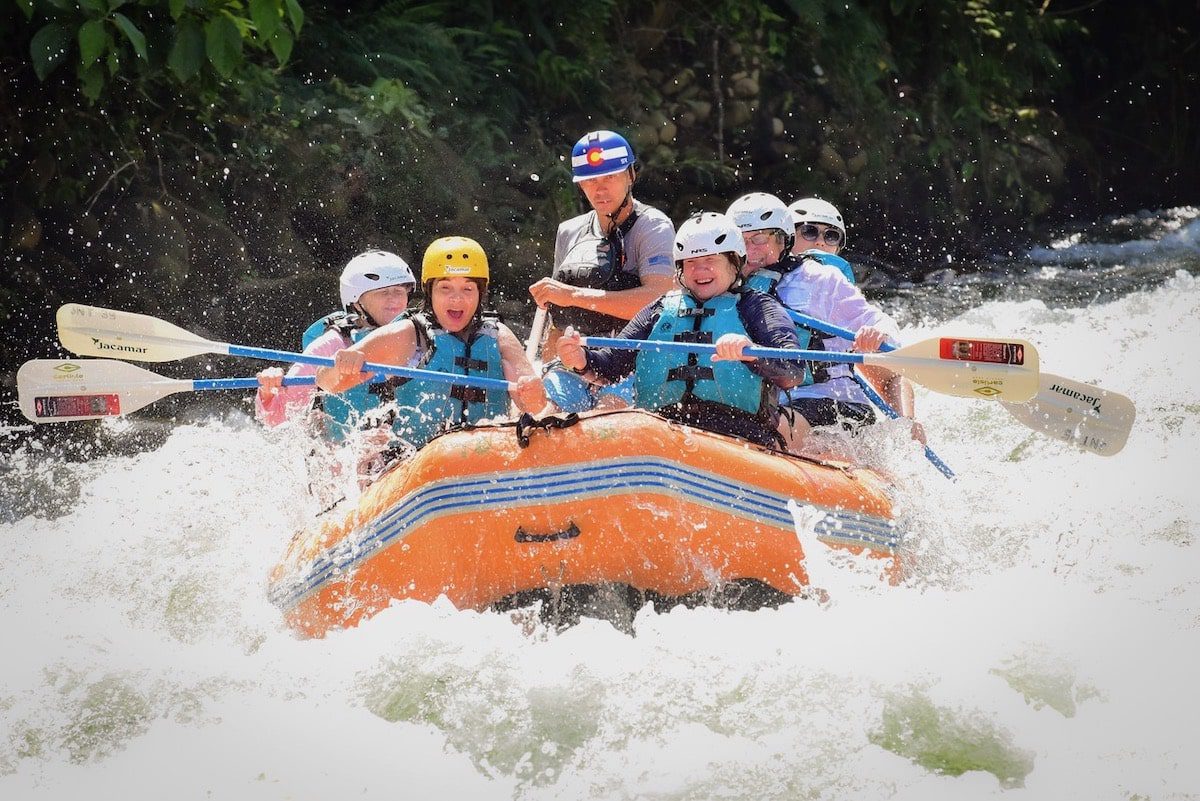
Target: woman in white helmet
820 233
375 287
731 393
820 284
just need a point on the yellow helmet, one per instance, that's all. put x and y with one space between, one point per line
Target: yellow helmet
454 257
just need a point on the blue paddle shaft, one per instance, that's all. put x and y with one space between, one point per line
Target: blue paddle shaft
829 328
875 398
482 382
249 383
659 346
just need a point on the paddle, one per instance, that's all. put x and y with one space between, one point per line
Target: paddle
62 390
535 334
965 368
1088 417
867 389
1062 408
92 331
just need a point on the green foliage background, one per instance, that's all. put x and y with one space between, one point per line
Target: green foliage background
216 161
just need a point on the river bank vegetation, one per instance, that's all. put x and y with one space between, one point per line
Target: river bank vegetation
214 162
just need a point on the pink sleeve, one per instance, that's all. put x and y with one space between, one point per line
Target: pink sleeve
291 401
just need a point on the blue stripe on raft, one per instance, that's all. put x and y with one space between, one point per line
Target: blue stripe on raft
563 484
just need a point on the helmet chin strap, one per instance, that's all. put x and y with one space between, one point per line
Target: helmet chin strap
612 218
625 201
361 311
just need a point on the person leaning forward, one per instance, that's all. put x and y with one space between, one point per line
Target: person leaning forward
609 263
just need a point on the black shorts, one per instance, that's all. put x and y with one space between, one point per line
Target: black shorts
830 412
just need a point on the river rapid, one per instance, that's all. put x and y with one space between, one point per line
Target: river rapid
1045 647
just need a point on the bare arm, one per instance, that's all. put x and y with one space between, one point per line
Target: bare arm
391 344
527 390
623 303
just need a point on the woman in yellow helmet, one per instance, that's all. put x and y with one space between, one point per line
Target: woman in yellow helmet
448 334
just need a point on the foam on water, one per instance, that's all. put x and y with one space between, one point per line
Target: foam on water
1045 648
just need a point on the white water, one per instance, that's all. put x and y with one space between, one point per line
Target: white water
1051 635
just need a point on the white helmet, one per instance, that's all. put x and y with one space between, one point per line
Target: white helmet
815 210
705 233
373 269
759 211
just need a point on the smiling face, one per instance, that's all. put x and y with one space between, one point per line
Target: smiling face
383 305
607 192
454 302
763 248
708 276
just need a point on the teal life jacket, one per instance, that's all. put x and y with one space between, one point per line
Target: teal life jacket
830 259
425 408
667 378
344 410
766 279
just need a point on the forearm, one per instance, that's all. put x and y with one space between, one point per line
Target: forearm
623 303
892 388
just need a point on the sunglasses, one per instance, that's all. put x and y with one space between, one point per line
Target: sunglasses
759 237
809 233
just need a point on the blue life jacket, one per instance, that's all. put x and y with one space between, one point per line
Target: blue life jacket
345 409
766 279
425 408
668 378
832 260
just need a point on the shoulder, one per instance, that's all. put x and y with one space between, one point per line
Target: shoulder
650 216
327 343
574 224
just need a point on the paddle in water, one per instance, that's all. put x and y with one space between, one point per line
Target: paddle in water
93 331
1086 416
64 390
993 369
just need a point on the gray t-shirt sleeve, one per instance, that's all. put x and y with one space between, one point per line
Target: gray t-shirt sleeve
650 244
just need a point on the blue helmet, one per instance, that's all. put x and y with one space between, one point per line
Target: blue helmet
600 153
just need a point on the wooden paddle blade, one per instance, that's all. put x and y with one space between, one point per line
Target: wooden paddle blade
992 369
1082 415
63 390
93 331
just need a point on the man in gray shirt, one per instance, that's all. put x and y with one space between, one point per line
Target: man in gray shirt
609 263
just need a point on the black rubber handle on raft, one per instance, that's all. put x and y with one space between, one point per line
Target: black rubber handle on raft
568 533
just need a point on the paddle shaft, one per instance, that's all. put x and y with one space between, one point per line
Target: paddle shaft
872 395
661 346
200 384
829 328
479 381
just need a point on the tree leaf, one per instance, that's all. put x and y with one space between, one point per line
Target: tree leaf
94 5
132 33
92 41
224 44
91 81
187 54
296 14
281 45
26 7
48 48
176 7
265 14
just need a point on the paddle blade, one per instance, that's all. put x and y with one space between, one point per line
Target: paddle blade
93 331
63 390
1082 415
993 369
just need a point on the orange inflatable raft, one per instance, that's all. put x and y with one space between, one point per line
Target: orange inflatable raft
625 498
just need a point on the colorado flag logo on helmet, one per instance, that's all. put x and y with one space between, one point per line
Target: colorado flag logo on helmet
600 153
